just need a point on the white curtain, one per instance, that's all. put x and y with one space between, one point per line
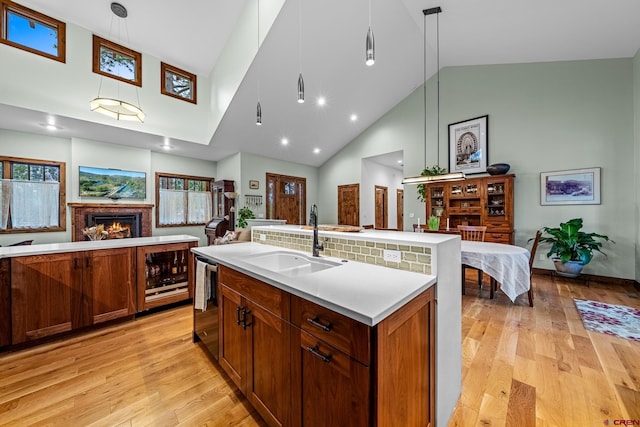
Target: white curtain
172 207
5 199
199 207
34 204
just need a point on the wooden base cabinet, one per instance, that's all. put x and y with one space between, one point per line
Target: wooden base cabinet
5 302
56 293
301 364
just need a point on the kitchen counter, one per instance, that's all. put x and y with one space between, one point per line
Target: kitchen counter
363 292
52 248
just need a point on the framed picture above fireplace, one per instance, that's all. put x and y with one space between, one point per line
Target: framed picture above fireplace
112 183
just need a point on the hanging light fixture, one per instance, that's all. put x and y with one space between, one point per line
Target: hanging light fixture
116 108
456 176
258 107
300 79
370 47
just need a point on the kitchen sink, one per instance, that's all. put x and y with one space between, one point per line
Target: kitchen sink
289 263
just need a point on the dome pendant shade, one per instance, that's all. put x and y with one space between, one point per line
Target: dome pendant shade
116 109
370 49
259 115
300 89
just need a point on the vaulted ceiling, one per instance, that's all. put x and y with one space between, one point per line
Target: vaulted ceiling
329 50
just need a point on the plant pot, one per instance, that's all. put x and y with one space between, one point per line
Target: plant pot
569 268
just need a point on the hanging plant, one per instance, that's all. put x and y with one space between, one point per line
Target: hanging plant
432 171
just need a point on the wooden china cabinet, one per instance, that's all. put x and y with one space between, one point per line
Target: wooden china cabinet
475 201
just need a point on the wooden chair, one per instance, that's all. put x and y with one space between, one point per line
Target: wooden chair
475 233
532 257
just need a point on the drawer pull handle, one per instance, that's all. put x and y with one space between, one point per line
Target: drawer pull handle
238 311
324 357
316 322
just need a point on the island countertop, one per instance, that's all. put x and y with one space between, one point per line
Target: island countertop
52 248
364 292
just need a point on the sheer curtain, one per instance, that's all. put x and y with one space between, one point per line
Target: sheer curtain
172 207
5 199
199 206
34 204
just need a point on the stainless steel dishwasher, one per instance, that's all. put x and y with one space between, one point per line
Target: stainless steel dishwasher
205 322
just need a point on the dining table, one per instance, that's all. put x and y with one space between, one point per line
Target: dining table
507 264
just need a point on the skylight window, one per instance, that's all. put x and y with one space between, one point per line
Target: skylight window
32 31
178 83
118 62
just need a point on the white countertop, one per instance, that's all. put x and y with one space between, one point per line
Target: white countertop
364 292
52 248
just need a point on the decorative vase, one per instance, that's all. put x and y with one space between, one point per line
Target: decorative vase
498 168
433 222
568 269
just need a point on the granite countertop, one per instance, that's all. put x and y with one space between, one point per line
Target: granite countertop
364 292
52 248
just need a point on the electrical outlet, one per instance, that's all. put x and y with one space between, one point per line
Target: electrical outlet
411 215
392 256
263 237
542 257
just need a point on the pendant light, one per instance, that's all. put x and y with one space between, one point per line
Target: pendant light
258 107
456 176
113 107
370 47
300 79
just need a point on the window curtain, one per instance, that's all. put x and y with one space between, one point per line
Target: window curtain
5 198
172 207
34 204
199 206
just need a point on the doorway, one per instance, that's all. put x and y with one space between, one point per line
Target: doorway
349 204
286 198
382 201
399 209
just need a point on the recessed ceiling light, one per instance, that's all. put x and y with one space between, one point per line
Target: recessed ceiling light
322 101
316 151
353 117
50 126
167 147
400 161
284 141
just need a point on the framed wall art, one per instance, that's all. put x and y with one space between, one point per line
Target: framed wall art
570 187
254 185
468 144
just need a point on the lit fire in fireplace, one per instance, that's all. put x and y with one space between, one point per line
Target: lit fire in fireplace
118 231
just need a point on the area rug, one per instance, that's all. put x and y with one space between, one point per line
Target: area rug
610 319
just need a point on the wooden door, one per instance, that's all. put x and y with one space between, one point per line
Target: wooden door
46 295
400 209
381 201
5 302
109 285
349 204
268 364
286 198
330 388
232 344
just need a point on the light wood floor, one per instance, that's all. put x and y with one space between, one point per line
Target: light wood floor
521 367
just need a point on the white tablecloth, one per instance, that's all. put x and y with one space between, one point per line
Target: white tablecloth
508 264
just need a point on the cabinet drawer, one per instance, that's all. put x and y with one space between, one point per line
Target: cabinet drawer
498 238
272 299
341 332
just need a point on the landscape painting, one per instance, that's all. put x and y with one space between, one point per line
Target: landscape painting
571 187
112 183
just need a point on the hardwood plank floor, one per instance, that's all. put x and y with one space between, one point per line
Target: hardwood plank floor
521 367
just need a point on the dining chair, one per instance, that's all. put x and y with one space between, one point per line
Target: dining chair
532 257
475 233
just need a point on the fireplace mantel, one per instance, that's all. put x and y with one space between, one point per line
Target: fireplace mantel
79 213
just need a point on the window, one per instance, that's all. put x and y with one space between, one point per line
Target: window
115 61
32 31
32 195
182 200
177 83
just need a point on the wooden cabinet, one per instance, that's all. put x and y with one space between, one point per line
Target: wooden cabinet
475 201
5 302
164 275
255 343
56 293
301 364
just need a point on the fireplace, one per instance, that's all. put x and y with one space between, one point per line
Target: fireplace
85 215
116 226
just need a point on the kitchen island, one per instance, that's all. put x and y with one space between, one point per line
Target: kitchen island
370 299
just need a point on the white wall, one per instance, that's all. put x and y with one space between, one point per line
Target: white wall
636 118
376 174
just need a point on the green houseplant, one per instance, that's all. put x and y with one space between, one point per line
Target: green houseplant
571 249
432 171
243 215
433 222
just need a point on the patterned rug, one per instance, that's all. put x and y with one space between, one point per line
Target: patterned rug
610 319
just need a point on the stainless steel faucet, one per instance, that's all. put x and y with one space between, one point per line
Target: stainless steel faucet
317 247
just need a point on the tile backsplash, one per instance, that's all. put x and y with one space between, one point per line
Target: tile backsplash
412 258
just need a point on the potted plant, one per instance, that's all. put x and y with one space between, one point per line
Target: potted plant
243 215
433 222
571 249
432 171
